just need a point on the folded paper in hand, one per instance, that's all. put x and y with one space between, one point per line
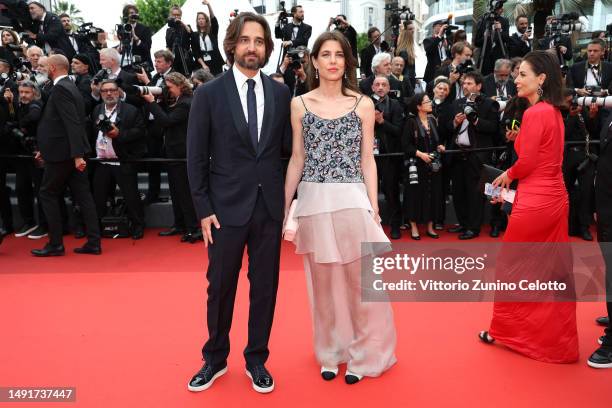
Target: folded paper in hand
494 192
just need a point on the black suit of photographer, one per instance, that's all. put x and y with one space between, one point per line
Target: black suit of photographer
395 85
178 40
495 48
517 47
434 56
143 48
466 167
603 206
50 31
389 135
489 87
287 34
564 40
129 144
581 199
578 74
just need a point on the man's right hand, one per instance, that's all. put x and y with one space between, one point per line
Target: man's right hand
207 224
143 77
454 77
8 95
459 118
582 92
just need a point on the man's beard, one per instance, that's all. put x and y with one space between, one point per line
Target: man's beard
259 63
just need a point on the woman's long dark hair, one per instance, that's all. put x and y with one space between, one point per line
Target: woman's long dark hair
544 62
349 81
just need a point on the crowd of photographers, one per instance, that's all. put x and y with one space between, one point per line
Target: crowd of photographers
430 132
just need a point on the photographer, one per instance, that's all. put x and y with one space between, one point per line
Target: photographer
381 65
33 55
47 30
561 43
498 85
436 49
110 61
28 173
397 74
423 179
461 63
11 49
173 119
120 131
476 125
205 42
138 39
376 46
389 120
294 34
82 41
178 41
293 69
163 66
496 29
346 29
520 42
577 166
594 74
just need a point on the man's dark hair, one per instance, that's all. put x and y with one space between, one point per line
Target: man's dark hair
343 16
64 15
459 47
294 9
109 81
235 29
519 17
127 8
168 56
371 31
598 41
476 76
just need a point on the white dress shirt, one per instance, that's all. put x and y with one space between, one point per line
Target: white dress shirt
206 46
104 144
243 87
59 78
591 79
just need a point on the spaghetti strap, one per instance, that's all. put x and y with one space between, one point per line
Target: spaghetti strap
303 103
359 100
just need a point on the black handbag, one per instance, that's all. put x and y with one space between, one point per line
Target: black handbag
487 175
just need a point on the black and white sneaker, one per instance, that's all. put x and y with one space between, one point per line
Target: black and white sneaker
352 378
601 358
38 233
261 379
328 373
25 230
205 378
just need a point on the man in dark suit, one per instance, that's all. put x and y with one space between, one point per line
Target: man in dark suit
499 85
592 72
389 121
436 49
497 37
483 131
142 36
461 52
110 60
562 44
178 41
602 357
347 30
519 43
62 141
125 140
381 65
47 30
294 34
235 173
376 46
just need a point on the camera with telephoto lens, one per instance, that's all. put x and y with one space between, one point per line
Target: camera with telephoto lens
595 90
283 17
563 25
87 32
22 65
296 57
464 67
175 23
139 65
104 124
470 107
413 175
100 76
491 16
125 30
435 164
150 90
399 14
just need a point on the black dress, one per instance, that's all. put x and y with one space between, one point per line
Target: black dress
422 201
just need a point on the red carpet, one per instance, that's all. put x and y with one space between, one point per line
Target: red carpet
126 329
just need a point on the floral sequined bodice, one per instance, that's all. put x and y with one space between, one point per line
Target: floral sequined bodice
333 149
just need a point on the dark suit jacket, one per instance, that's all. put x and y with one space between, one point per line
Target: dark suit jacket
517 47
367 54
486 132
390 131
53 33
126 81
174 122
144 49
603 181
216 62
578 71
303 34
61 130
83 82
431 45
131 142
490 89
544 44
365 86
225 170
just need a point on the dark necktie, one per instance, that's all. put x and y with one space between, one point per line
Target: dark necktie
595 67
252 112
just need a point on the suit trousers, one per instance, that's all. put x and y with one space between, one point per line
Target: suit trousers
27 184
124 175
182 204
155 141
468 200
262 237
391 173
6 212
55 179
581 199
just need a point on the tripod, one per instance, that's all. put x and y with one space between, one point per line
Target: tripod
489 20
178 52
127 57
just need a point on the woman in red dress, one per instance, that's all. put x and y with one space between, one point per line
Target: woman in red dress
544 331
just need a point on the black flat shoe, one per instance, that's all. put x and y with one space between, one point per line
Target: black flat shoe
352 378
601 358
586 235
456 228
415 237
88 249
485 337
329 374
138 233
494 233
170 232
396 233
468 234
49 250
434 236
261 379
603 321
205 378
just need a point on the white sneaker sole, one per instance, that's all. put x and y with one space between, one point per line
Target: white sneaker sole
37 236
259 389
596 365
599 341
208 384
26 232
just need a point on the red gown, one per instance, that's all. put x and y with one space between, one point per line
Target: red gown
544 331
